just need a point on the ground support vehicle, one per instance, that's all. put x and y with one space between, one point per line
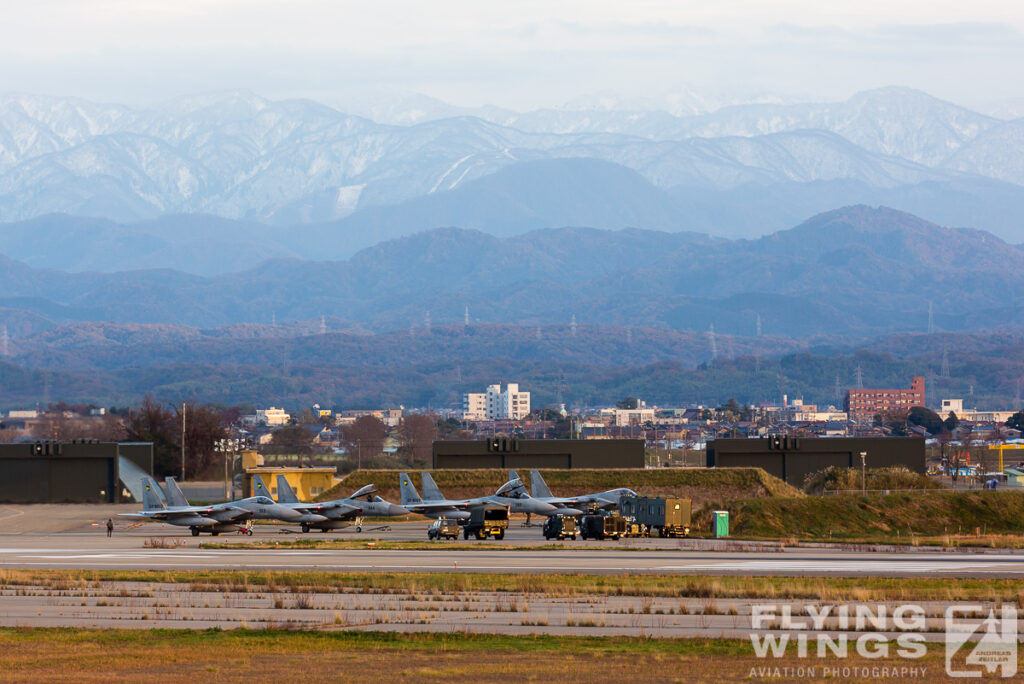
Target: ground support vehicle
667 516
443 528
603 526
560 527
486 521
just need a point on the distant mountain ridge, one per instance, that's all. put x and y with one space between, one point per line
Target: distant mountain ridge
241 157
857 271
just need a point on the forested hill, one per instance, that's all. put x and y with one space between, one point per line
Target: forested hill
855 272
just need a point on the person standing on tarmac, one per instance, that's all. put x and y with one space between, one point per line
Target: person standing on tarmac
110 526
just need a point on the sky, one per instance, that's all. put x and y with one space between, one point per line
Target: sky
521 55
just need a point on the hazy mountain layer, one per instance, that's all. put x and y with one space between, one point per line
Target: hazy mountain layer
854 272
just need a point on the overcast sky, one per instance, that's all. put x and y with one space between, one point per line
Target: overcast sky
521 54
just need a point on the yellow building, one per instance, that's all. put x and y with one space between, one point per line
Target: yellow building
308 483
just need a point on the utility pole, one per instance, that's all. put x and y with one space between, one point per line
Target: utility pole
863 472
183 409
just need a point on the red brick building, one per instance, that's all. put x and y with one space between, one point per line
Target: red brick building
863 404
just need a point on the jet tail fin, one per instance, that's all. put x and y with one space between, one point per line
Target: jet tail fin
285 493
174 494
430 489
409 494
259 487
538 485
150 498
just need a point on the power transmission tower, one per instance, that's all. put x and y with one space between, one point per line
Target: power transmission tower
572 325
629 336
858 377
945 363
711 339
931 319
426 323
465 320
758 325
5 342
323 325
538 333
837 393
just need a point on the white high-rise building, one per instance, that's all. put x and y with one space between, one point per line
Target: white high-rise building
495 404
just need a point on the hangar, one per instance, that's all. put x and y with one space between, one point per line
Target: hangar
504 452
793 458
80 471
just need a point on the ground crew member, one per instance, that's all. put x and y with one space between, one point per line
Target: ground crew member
110 526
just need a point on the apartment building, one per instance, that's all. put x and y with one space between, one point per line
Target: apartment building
496 404
864 404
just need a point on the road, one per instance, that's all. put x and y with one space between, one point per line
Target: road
91 549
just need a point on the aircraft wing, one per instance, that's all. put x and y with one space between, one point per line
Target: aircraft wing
192 512
308 508
227 513
340 511
444 505
338 506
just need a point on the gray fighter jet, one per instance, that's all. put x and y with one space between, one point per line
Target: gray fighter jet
308 513
572 505
340 513
212 519
434 505
259 507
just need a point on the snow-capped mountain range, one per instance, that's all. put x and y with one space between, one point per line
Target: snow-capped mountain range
739 170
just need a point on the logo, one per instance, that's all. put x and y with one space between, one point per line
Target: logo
977 641
147 488
405 482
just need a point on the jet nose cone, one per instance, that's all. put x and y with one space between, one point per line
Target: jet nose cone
395 510
287 513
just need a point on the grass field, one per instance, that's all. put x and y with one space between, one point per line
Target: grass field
168 657
820 588
702 485
893 518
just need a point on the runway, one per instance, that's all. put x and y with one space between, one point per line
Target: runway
125 551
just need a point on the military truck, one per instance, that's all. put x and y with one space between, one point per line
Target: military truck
443 528
560 527
668 517
486 521
603 526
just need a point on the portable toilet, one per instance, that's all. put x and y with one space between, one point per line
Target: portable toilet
721 523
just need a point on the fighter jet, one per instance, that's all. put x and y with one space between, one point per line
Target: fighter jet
340 513
308 513
433 504
572 505
257 507
197 518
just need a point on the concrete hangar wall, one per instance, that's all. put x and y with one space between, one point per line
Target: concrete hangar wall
792 458
68 472
503 452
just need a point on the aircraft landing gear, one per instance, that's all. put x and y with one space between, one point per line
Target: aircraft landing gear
305 527
195 531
